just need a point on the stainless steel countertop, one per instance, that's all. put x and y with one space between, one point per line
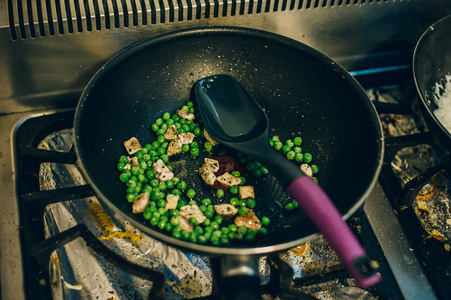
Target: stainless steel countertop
11 279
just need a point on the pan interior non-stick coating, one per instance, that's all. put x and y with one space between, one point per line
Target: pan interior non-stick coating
302 91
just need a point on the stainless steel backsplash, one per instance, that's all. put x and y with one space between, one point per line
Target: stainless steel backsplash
49 49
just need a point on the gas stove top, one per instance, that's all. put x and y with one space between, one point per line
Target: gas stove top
58 242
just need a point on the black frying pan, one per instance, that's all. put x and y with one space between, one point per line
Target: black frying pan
301 90
431 64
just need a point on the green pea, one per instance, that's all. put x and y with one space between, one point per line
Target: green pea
289 143
297 141
233 227
289 207
181 185
252 166
315 169
209 214
299 157
218 219
135 170
197 131
242 229
185 147
297 149
219 193
206 201
291 154
166 116
164 158
242 211
162 185
257 173
234 190
214 225
278 145
147 214
224 240
176 192
176 234
194 151
190 193
265 221
161 139
120 166
234 201
201 239
161 132
235 173
130 190
131 197
250 203
123 159
181 203
208 146
286 149
263 230
124 177
154 220
307 157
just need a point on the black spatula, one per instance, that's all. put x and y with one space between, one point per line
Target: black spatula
233 118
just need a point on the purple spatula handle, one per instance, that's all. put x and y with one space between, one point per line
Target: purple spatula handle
317 205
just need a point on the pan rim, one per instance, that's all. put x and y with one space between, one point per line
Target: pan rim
208 249
416 54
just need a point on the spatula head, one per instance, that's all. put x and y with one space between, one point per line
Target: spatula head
229 113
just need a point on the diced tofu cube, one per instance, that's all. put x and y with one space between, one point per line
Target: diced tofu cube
162 171
250 220
207 175
246 191
185 224
171 133
171 201
228 180
209 138
226 210
307 170
190 211
132 145
186 137
174 147
134 161
212 164
185 115
140 203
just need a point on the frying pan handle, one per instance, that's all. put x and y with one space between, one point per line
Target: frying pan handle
314 201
